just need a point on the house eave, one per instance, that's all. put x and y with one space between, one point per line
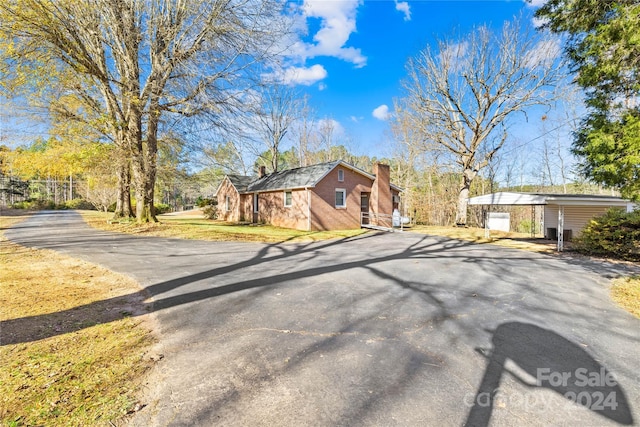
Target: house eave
273 190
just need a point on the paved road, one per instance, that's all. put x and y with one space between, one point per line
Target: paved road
376 330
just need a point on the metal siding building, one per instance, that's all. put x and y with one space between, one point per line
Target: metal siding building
562 212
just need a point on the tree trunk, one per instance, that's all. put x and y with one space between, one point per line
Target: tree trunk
274 158
123 201
463 197
150 154
144 209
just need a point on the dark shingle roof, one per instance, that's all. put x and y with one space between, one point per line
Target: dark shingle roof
293 178
241 182
303 177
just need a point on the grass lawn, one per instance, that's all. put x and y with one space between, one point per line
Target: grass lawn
626 292
522 241
63 364
205 229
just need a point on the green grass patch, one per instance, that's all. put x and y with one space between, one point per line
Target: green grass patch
626 292
205 229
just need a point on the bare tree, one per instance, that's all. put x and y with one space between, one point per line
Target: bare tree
270 118
304 131
326 134
463 94
149 58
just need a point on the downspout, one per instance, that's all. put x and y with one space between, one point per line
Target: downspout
308 209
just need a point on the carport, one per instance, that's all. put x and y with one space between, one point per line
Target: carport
564 215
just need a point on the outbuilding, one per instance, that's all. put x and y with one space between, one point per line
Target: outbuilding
564 215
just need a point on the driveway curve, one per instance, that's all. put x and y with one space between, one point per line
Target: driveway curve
374 330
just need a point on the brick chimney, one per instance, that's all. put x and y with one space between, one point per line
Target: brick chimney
381 200
262 171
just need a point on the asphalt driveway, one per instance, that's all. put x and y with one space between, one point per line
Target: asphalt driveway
375 330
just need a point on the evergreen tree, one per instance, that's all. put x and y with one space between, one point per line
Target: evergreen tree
603 44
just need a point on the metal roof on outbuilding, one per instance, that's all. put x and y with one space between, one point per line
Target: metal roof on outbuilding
574 209
512 198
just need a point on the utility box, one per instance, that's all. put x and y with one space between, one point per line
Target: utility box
552 234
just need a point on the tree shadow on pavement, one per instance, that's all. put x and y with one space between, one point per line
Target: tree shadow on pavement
528 346
31 328
555 363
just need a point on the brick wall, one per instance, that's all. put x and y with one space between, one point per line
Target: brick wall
233 214
272 210
381 201
324 214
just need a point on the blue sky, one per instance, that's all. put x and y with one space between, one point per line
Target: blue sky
352 59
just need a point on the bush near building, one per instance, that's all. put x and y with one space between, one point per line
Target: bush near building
615 234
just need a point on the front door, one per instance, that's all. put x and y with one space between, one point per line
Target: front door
364 207
256 208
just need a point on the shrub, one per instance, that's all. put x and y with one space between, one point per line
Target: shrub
20 205
615 234
210 211
35 205
78 204
525 226
161 208
202 202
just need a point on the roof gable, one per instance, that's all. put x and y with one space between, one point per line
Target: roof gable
241 182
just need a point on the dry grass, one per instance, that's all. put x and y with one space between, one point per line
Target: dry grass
70 352
626 292
204 229
522 241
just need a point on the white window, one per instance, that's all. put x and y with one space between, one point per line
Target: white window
287 199
227 203
340 175
341 198
255 202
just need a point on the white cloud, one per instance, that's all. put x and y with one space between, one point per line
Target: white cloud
322 86
355 119
337 23
330 126
381 112
404 7
535 3
539 22
302 75
543 53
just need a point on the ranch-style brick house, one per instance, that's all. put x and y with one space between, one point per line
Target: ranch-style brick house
325 196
